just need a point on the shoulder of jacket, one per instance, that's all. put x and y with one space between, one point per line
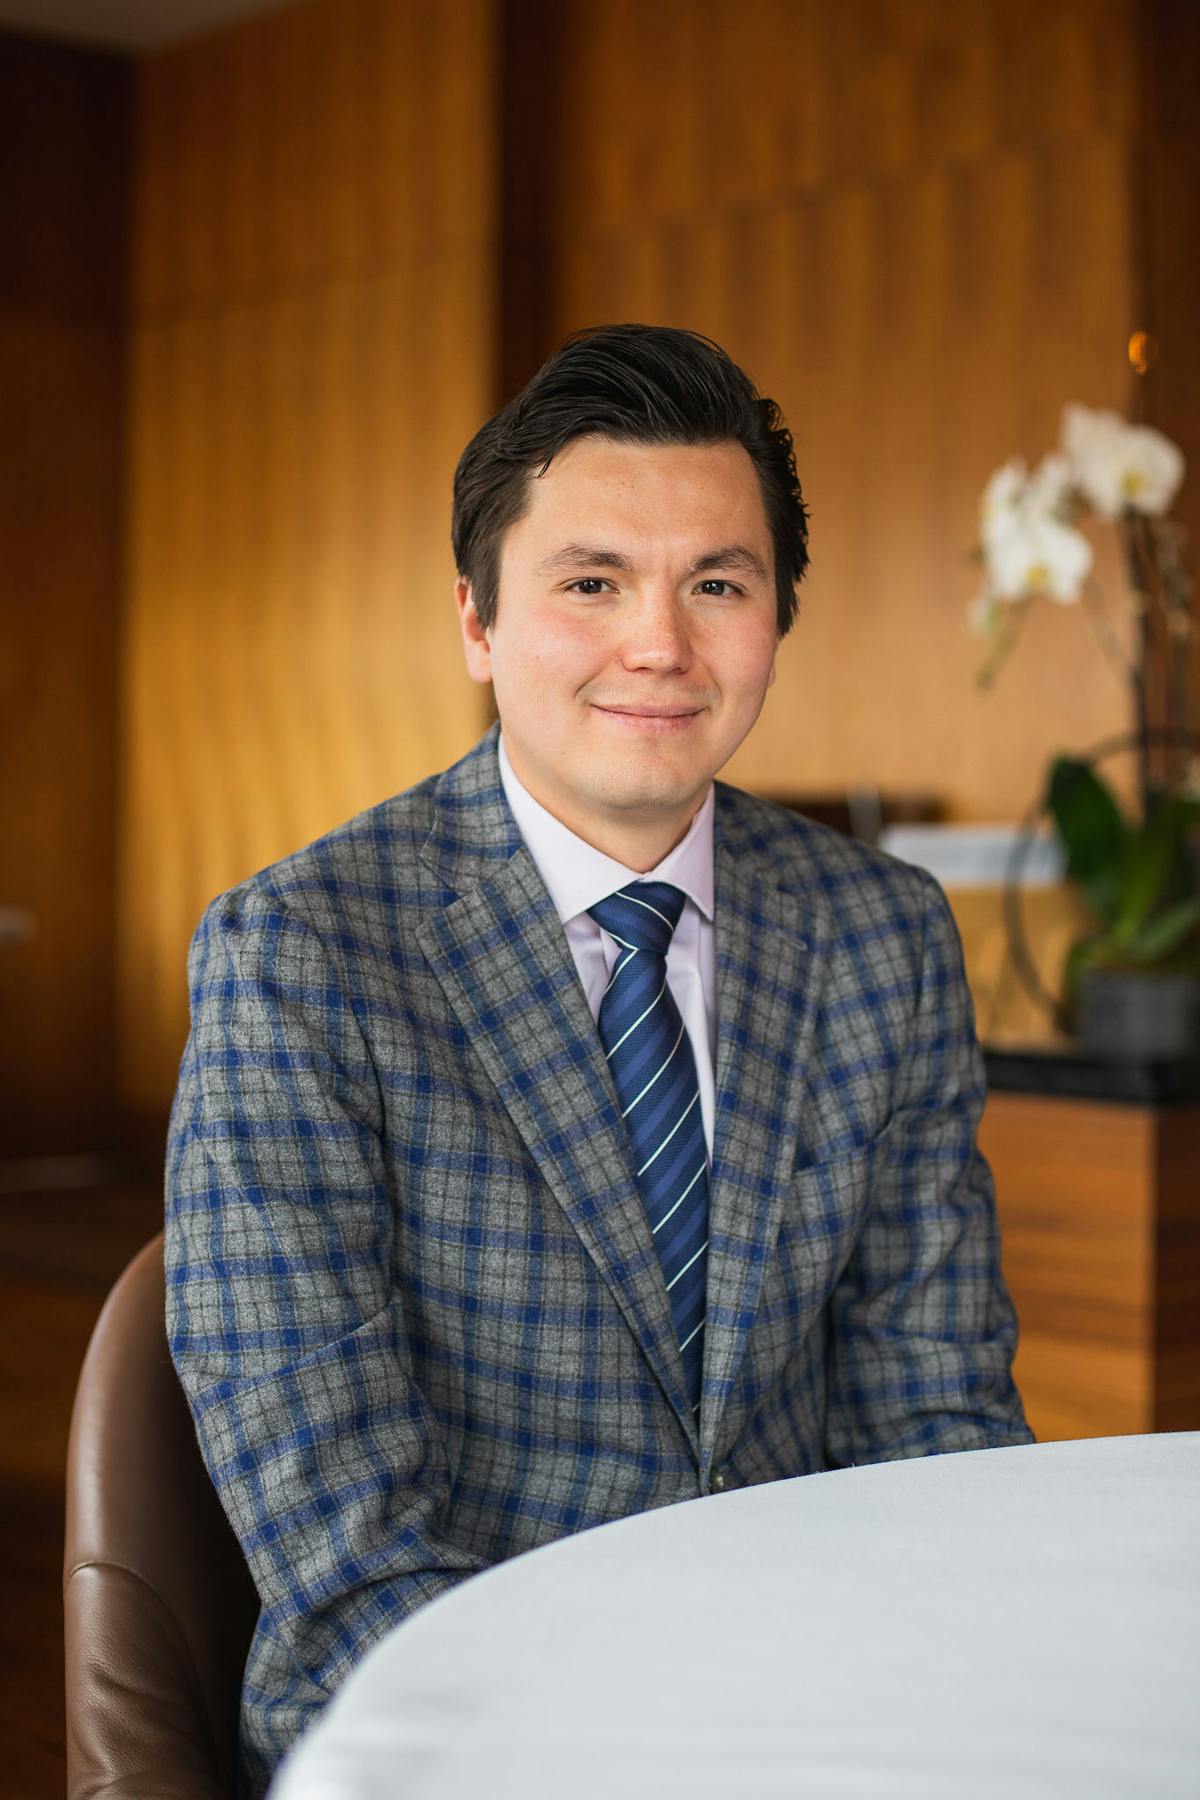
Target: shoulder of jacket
802 852
367 858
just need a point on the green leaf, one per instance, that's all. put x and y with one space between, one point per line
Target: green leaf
1084 953
1165 933
1094 833
1152 862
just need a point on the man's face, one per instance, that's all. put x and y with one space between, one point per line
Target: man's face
634 638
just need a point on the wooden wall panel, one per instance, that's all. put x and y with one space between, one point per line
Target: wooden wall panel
313 343
1169 241
1075 1193
1177 1273
336 137
918 239
1100 1219
921 242
64 118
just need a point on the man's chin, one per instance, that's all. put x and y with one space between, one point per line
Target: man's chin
650 795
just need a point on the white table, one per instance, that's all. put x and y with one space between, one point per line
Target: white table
994 1625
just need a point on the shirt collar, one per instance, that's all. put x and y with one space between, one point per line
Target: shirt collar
577 875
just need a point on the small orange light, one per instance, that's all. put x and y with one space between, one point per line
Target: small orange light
1143 351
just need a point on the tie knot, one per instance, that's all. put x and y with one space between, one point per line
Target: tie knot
643 915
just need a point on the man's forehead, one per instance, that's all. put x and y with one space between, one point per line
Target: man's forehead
663 489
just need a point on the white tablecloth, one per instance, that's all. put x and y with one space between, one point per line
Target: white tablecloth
999 1624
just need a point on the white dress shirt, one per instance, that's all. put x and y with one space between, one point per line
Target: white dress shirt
577 875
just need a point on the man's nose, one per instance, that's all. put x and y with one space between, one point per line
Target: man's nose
656 635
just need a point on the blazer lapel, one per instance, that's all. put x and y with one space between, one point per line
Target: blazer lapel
770 971
501 955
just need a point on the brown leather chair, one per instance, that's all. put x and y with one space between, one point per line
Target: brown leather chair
158 1601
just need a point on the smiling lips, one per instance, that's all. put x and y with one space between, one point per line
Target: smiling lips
649 718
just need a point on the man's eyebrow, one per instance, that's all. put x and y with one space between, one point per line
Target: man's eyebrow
731 556
593 556
590 556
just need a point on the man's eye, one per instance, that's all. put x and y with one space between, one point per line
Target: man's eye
714 588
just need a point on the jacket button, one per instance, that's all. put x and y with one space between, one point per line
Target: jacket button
717 1481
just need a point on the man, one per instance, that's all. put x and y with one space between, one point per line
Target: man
570 1136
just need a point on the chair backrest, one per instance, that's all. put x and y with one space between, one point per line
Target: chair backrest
159 1605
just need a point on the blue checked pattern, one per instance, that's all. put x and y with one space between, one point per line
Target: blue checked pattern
412 1291
654 1072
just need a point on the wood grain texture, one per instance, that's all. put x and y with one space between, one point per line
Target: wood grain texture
1167 245
917 238
357 219
1099 1210
1074 1190
313 343
63 170
1177 1273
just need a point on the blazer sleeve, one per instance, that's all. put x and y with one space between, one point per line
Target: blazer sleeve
922 1329
285 1326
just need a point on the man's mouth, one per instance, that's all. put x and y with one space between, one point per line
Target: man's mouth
648 718
641 709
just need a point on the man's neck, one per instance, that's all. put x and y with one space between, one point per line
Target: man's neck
638 849
639 844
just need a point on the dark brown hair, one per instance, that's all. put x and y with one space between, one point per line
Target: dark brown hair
638 384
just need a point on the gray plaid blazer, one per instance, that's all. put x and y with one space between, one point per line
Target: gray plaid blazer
412 1294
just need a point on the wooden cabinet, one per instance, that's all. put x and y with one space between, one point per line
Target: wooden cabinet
1099 1206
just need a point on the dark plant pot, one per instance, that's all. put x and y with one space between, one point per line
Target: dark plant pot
1140 1015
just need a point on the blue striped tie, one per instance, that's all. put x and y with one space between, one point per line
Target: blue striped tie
654 1073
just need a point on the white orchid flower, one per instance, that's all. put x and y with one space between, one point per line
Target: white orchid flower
1049 485
1029 546
1002 498
1035 554
1013 494
1117 465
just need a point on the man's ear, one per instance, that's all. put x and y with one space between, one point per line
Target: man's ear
476 647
